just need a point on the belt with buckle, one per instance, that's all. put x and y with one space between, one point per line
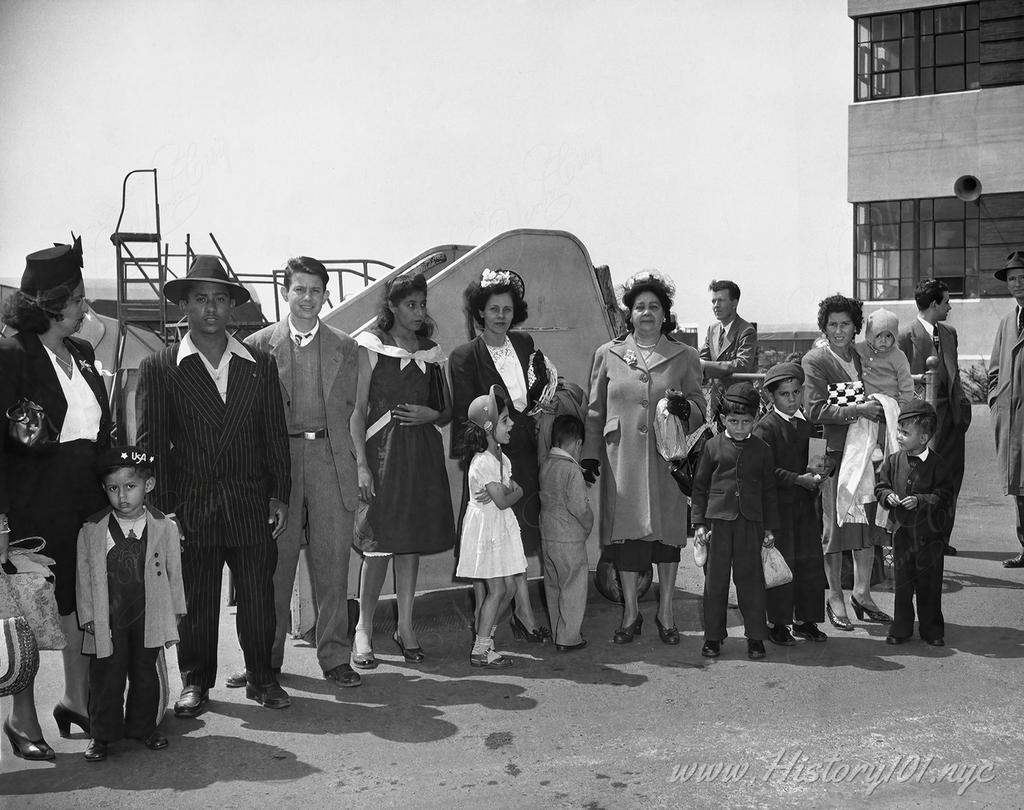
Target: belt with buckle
309 435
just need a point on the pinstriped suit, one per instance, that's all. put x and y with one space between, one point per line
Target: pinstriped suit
218 464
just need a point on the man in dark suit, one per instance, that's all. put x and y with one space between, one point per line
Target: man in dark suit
319 368
928 336
731 344
210 409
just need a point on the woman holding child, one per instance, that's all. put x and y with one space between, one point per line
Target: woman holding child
49 491
401 400
829 369
643 514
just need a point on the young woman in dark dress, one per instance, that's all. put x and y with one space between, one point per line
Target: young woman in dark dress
402 399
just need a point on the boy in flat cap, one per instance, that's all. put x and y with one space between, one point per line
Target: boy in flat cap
917 485
735 510
785 430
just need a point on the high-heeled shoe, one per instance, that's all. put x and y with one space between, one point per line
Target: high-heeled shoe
668 635
64 717
843 623
873 614
624 635
414 654
25 748
363 660
520 633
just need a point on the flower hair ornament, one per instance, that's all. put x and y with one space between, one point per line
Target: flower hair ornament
503 278
649 276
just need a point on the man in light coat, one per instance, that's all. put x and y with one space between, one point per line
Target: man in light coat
1006 395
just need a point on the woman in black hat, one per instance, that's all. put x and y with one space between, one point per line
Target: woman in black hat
48 489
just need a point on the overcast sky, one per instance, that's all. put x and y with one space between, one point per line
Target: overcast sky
706 139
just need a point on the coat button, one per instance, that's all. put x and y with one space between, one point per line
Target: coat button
643 428
643 378
159 573
157 564
643 403
156 553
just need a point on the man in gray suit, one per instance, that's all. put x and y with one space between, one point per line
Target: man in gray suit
731 344
928 336
318 367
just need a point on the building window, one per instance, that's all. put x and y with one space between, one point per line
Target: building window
917 53
899 242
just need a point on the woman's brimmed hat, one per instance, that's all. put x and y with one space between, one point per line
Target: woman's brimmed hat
205 268
486 408
58 266
1015 261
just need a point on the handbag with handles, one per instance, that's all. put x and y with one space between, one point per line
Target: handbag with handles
19 655
26 590
29 426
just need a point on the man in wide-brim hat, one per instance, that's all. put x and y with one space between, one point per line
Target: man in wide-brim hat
1006 394
218 404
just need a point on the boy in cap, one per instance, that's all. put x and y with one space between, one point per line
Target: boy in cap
735 509
917 485
785 430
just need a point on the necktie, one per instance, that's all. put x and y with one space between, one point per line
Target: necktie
1020 321
721 339
935 343
300 339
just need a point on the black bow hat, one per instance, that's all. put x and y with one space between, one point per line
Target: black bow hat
205 268
60 265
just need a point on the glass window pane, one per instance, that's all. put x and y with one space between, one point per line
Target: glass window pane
863 239
860 213
927 51
885 85
908 52
863 29
926 235
884 213
927 82
906 264
888 290
907 235
971 52
972 15
926 209
908 83
955 284
909 28
906 288
949 19
971 261
949 234
885 26
924 263
972 209
887 264
887 55
949 49
927 27
948 262
949 79
973 81
863 265
907 210
885 237
971 233
863 290
949 208
863 60
971 287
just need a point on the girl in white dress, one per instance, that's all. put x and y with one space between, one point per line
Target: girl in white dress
491 549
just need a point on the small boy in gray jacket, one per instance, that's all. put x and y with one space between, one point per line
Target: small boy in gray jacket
565 523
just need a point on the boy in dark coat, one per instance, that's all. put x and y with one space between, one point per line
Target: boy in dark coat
735 509
787 433
916 484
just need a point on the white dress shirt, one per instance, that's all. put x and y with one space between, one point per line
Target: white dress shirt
218 373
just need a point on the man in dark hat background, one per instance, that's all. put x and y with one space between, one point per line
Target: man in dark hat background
218 404
928 336
1006 395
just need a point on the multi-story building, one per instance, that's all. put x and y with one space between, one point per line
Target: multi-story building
936 155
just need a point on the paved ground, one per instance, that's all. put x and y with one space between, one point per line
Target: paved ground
845 723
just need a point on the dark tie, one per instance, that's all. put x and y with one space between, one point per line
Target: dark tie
721 339
300 339
1020 321
936 343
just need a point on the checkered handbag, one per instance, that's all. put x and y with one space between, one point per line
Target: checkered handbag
19 655
846 393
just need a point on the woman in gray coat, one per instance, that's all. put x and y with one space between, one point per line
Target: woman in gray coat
643 514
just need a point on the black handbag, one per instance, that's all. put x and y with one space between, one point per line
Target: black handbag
684 469
29 426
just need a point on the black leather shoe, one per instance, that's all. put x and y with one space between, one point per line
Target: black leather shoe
624 635
897 639
809 631
413 654
64 717
571 647
236 680
96 752
779 634
192 702
949 551
936 642
873 614
23 747
154 742
269 695
343 675
755 649
838 622
668 635
1015 562
711 649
